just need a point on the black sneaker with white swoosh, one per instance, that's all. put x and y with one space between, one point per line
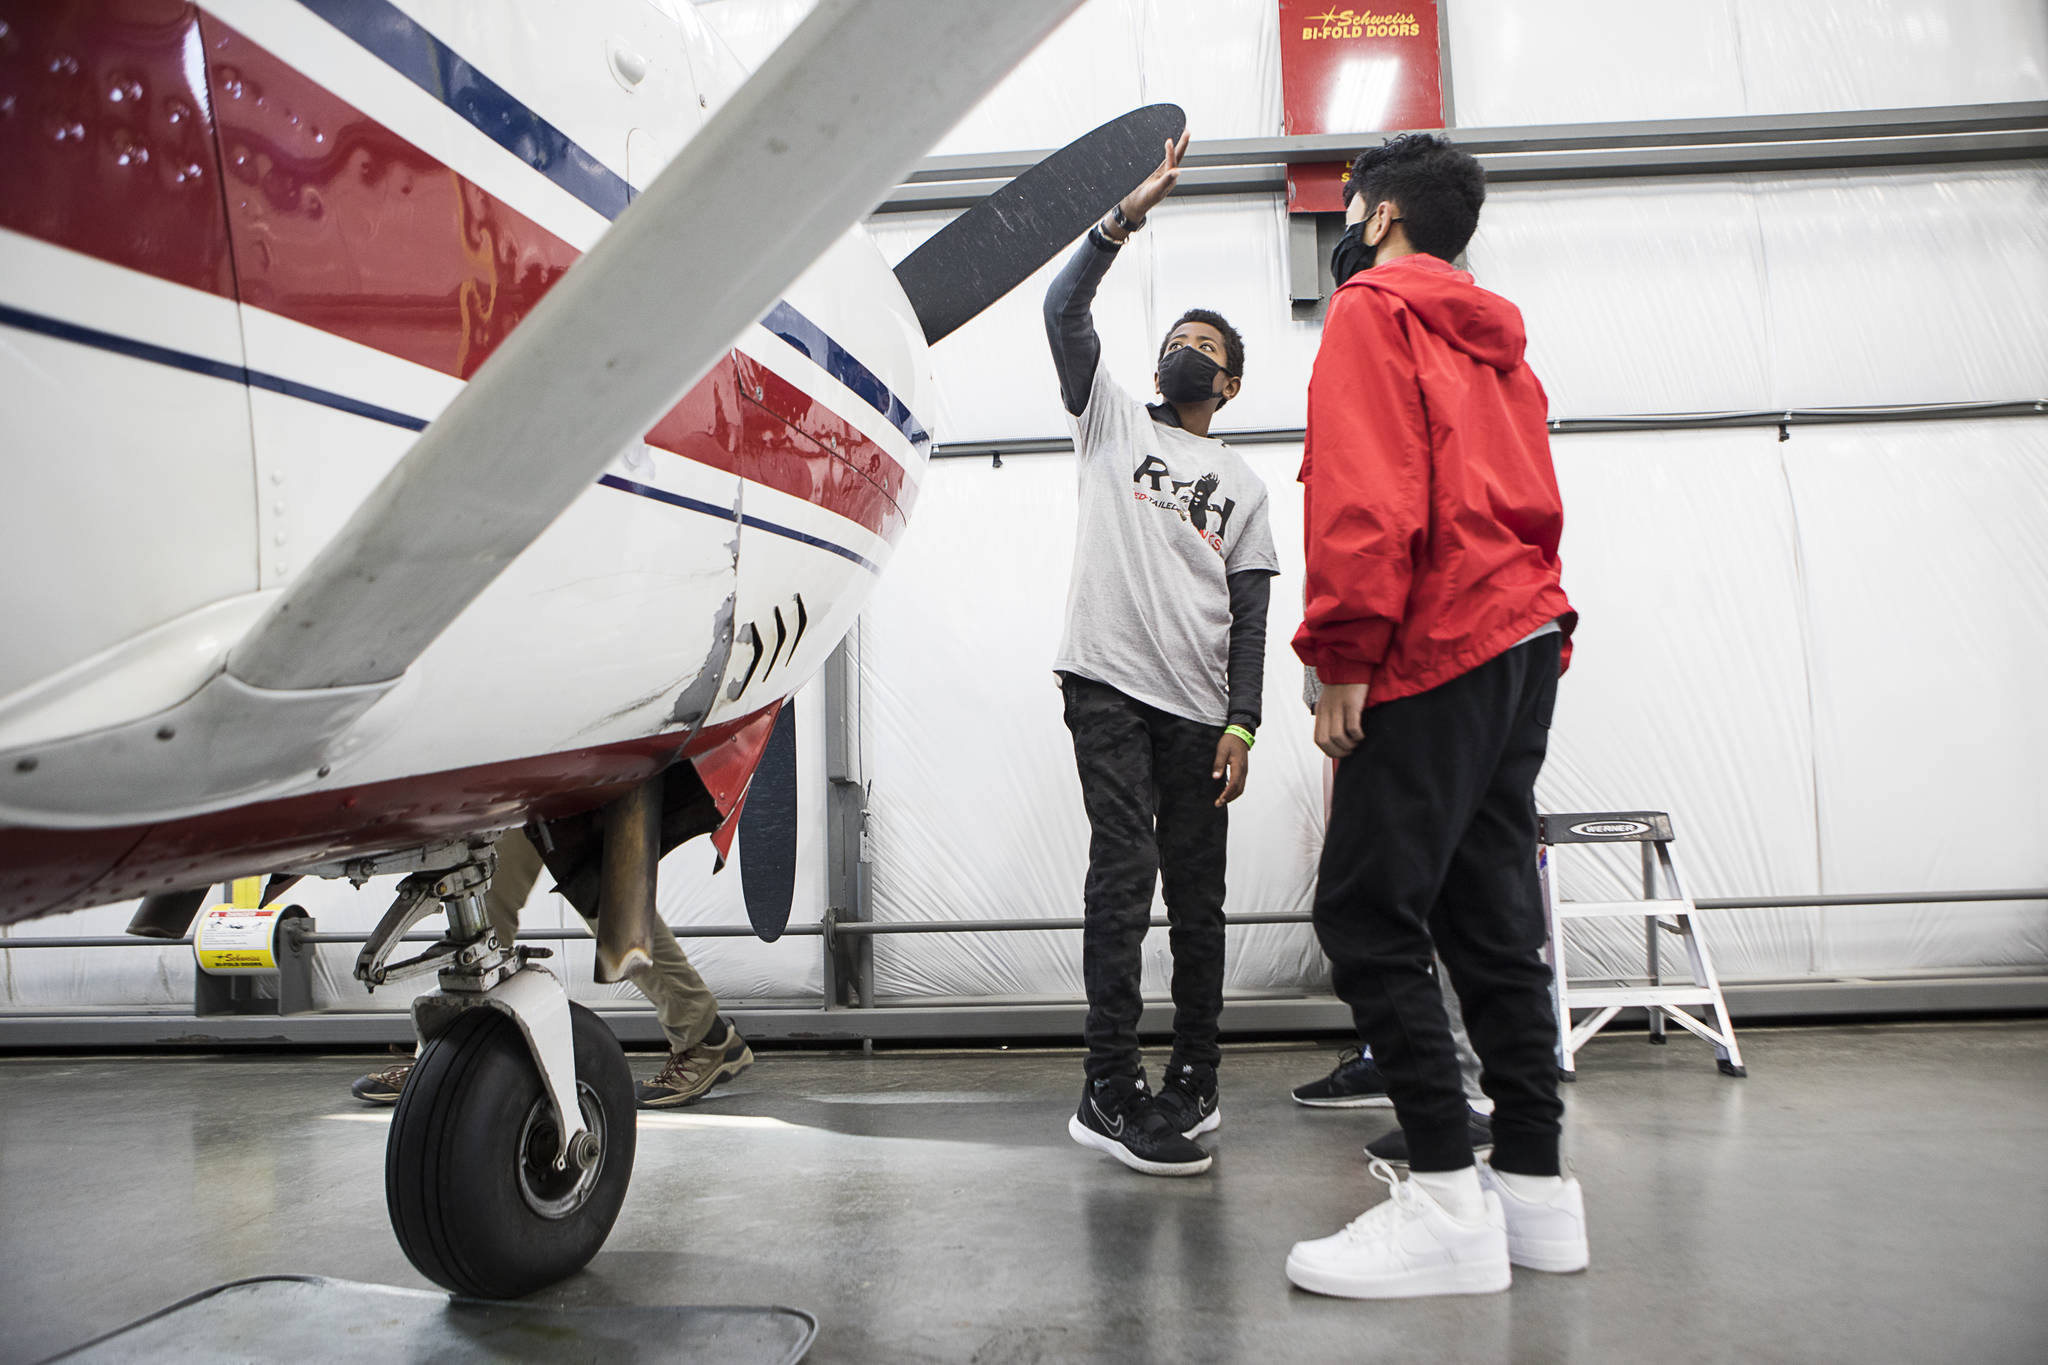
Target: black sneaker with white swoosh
1118 1116
1188 1098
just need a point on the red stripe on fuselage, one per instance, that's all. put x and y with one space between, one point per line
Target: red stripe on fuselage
826 427
343 225
45 871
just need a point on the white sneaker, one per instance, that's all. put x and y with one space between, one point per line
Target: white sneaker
1547 1235
1407 1248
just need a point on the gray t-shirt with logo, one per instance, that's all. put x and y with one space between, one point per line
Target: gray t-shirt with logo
1165 518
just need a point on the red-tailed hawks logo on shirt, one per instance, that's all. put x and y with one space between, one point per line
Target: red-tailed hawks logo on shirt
1190 500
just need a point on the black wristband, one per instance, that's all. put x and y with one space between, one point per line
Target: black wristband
1116 211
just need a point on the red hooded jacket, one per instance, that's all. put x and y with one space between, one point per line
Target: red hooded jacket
1432 508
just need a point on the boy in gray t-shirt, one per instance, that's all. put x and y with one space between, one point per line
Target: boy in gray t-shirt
1161 667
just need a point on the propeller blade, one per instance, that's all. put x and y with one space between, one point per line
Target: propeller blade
993 247
831 122
767 832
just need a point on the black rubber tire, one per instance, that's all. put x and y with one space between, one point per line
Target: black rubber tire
453 1178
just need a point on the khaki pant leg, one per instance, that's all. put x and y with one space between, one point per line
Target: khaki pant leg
682 1002
519 867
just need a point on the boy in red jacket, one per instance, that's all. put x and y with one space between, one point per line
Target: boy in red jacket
1437 626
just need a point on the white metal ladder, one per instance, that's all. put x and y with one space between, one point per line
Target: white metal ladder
1671 913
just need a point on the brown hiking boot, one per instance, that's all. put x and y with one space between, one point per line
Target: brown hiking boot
381 1087
690 1074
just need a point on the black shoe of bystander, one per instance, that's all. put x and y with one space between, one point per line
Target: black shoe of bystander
1392 1148
1355 1084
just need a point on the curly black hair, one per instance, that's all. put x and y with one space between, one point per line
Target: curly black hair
1233 344
1436 188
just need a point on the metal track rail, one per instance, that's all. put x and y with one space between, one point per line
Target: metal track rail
1939 135
1782 418
1038 925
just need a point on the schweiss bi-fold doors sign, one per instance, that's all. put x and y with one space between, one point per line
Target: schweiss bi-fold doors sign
1354 69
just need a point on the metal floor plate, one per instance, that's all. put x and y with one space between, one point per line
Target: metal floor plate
310 1317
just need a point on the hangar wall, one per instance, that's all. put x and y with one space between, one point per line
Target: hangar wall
1818 653
1814 652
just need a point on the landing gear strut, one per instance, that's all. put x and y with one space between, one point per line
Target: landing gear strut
512 1144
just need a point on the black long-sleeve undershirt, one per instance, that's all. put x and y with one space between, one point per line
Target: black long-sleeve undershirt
1070 326
1251 592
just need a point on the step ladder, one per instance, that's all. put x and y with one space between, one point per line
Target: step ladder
1671 913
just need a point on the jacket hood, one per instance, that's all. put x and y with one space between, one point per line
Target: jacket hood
1452 308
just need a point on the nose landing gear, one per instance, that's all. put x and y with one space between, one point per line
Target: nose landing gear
512 1143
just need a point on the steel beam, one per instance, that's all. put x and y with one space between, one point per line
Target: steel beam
1039 924
1579 426
1712 146
849 962
1055 1022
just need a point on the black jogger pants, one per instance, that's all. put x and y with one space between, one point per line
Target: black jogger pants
1432 845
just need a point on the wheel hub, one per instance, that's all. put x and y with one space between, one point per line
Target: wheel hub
551 1191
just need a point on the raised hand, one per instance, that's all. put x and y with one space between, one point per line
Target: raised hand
1157 185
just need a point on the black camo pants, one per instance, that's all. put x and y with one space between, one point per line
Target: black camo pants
1152 816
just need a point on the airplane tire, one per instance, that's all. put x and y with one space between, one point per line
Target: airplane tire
469 1174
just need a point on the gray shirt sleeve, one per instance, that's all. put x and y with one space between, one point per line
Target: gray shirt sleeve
1068 324
1250 594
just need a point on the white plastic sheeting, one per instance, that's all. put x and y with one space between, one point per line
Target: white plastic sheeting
1599 61
1726 577
1817 654
1927 590
1688 686
976 811
1819 289
1511 62
1217 59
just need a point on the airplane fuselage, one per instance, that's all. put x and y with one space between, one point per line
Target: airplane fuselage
248 251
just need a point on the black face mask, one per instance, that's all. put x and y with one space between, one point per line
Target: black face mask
1187 376
1351 254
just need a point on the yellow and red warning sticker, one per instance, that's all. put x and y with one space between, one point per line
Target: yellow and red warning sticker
239 937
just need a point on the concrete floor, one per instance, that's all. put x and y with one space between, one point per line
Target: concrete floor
1870 1193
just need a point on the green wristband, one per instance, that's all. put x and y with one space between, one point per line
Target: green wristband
1247 736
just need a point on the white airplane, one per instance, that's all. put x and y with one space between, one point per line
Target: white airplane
427 418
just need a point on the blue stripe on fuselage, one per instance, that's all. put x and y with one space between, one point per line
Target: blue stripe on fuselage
149 351
397 40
